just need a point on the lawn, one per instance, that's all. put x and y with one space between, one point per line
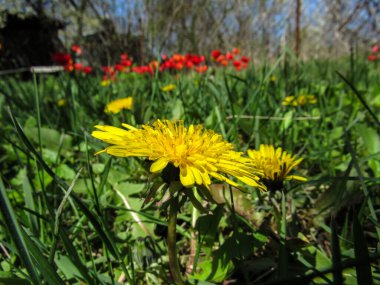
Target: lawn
71 215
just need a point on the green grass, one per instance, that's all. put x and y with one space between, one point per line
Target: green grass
70 217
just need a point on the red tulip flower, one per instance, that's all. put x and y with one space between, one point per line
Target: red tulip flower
201 69
76 49
215 54
62 58
87 69
78 66
245 59
229 56
236 51
371 57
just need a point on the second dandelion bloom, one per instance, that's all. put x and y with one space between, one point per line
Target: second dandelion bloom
275 165
116 106
194 153
168 88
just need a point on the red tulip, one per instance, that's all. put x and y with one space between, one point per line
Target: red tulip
87 69
236 51
215 53
371 57
245 59
76 49
201 69
78 66
62 58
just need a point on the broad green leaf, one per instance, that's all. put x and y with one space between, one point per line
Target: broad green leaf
214 270
67 267
178 110
65 172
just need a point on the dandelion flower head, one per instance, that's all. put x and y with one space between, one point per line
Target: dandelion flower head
301 100
197 153
105 82
168 88
116 106
61 102
275 165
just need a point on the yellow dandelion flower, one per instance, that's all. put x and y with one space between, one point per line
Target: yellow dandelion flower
116 106
61 102
197 154
290 101
275 165
105 82
306 99
168 88
301 100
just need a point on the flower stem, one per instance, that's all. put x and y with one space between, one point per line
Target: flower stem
193 242
283 253
171 240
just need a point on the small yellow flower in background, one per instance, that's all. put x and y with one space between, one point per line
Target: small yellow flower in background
273 78
301 100
116 106
168 88
275 165
194 152
307 99
105 82
61 102
289 101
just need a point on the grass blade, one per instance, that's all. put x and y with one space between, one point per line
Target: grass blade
102 231
15 232
336 255
46 269
363 265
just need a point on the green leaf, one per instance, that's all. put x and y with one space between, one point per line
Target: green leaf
207 226
129 189
214 270
178 110
41 262
81 185
239 245
13 281
29 202
65 172
370 138
288 119
50 138
67 267
98 168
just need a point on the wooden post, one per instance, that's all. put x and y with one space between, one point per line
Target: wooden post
298 32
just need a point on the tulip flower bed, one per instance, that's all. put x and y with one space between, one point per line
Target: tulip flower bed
191 169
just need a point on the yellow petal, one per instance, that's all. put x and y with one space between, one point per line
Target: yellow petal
159 165
186 176
296 177
129 127
224 179
112 130
197 175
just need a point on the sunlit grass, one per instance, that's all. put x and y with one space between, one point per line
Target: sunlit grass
70 217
